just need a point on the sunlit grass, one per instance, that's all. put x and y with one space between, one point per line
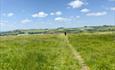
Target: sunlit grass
98 50
35 52
51 52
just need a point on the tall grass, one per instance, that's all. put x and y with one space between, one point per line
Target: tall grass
50 52
98 50
35 52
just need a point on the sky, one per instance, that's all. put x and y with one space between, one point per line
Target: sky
40 14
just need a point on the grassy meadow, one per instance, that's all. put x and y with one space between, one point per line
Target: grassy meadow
36 52
98 50
51 52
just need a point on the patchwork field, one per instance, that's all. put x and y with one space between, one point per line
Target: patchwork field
52 52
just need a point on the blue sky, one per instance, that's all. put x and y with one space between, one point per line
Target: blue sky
36 14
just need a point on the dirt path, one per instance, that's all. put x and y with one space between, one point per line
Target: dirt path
77 55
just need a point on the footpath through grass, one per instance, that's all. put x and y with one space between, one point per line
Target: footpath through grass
98 50
36 52
51 52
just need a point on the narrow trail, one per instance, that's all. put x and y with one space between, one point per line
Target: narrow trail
77 56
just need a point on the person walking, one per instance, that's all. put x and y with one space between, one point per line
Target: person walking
65 33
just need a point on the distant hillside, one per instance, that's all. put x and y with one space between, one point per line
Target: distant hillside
104 28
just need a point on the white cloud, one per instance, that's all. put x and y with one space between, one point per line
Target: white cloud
85 10
62 19
74 17
76 4
10 14
113 8
52 13
77 16
58 13
97 13
40 14
25 21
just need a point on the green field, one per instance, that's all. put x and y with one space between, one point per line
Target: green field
51 52
36 52
98 50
